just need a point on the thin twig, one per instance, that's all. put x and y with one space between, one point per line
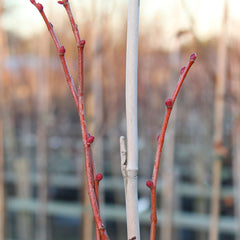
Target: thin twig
80 43
61 51
153 184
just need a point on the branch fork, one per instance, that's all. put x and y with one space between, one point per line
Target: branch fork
93 179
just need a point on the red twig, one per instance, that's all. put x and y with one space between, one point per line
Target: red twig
92 178
61 50
80 43
98 178
153 184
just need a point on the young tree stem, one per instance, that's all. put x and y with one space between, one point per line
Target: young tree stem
169 103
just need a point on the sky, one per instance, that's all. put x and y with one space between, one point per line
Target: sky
23 18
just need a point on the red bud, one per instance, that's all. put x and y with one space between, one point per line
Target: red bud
39 7
169 103
32 1
182 70
149 184
99 177
62 2
90 139
62 50
82 43
193 57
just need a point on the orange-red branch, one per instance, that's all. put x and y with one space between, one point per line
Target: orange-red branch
183 74
80 43
59 48
169 104
87 138
92 179
73 23
89 166
90 171
80 67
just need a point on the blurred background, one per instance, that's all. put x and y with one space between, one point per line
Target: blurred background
42 187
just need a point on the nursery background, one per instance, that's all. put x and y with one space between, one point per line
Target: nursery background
42 185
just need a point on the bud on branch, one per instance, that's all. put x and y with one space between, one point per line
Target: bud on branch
62 50
90 139
149 184
82 43
169 103
99 177
193 57
39 7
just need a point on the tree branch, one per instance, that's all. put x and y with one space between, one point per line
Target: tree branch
92 178
152 184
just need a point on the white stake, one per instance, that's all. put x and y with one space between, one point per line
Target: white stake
132 123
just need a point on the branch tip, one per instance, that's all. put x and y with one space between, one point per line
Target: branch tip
193 57
32 1
169 103
63 2
39 7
